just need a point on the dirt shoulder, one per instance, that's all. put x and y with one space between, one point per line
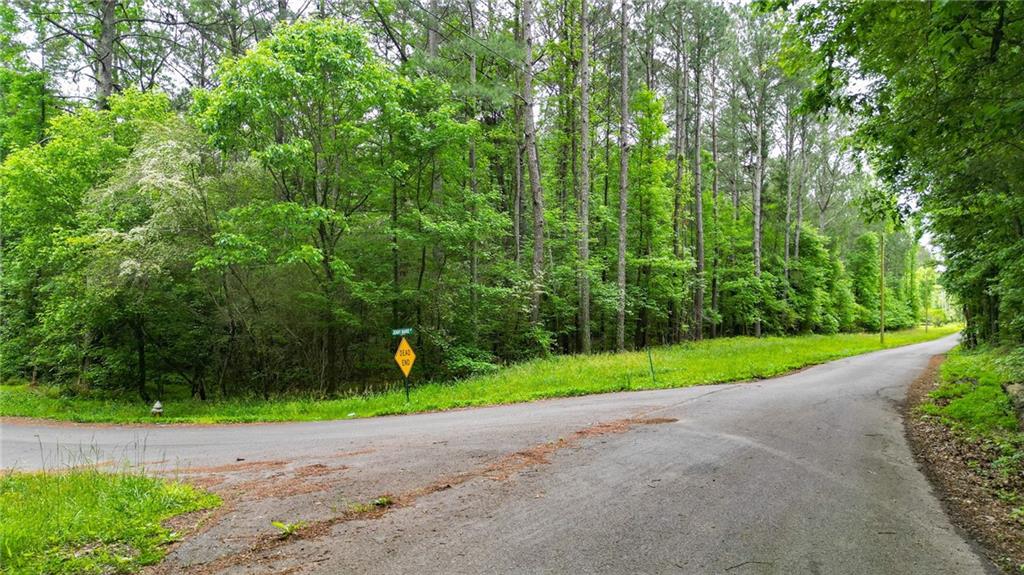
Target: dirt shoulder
957 467
318 497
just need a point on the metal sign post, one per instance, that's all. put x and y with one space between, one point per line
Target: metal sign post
405 357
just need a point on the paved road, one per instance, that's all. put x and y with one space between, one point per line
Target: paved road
808 473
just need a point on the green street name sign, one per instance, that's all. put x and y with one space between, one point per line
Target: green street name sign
401 331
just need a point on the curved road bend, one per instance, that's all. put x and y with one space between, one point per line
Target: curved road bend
806 473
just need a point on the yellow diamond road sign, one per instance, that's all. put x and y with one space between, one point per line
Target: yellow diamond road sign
405 357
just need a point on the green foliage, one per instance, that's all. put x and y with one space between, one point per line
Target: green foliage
27 101
811 277
941 125
85 521
26 105
650 221
864 278
261 230
50 242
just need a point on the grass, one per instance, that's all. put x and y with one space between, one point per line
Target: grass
696 363
970 394
85 521
971 401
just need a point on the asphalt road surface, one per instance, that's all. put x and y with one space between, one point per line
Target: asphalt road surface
807 473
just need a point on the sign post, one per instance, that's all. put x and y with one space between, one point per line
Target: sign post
405 357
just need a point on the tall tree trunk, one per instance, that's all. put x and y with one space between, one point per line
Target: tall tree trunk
606 190
584 215
104 65
517 209
517 154
790 136
800 188
473 272
43 99
620 330
736 157
675 323
563 123
235 28
533 164
686 97
714 199
330 328
140 351
432 32
756 208
698 195
395 257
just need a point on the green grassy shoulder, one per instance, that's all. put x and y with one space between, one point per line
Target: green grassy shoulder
85 521
698 363
971 401
970 395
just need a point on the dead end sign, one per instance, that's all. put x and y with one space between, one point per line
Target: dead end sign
405 357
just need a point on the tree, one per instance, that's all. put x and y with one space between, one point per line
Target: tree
51 317
650 201
533 163
584 192
866 277
759 80
27 101
317 107
700 46
680 92
120 44
620 330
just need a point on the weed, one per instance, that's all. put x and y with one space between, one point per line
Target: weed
1018 515
1007 496
360 508
286 530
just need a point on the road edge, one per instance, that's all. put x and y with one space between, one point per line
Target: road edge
968 521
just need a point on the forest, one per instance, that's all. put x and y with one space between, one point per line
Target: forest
246 197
